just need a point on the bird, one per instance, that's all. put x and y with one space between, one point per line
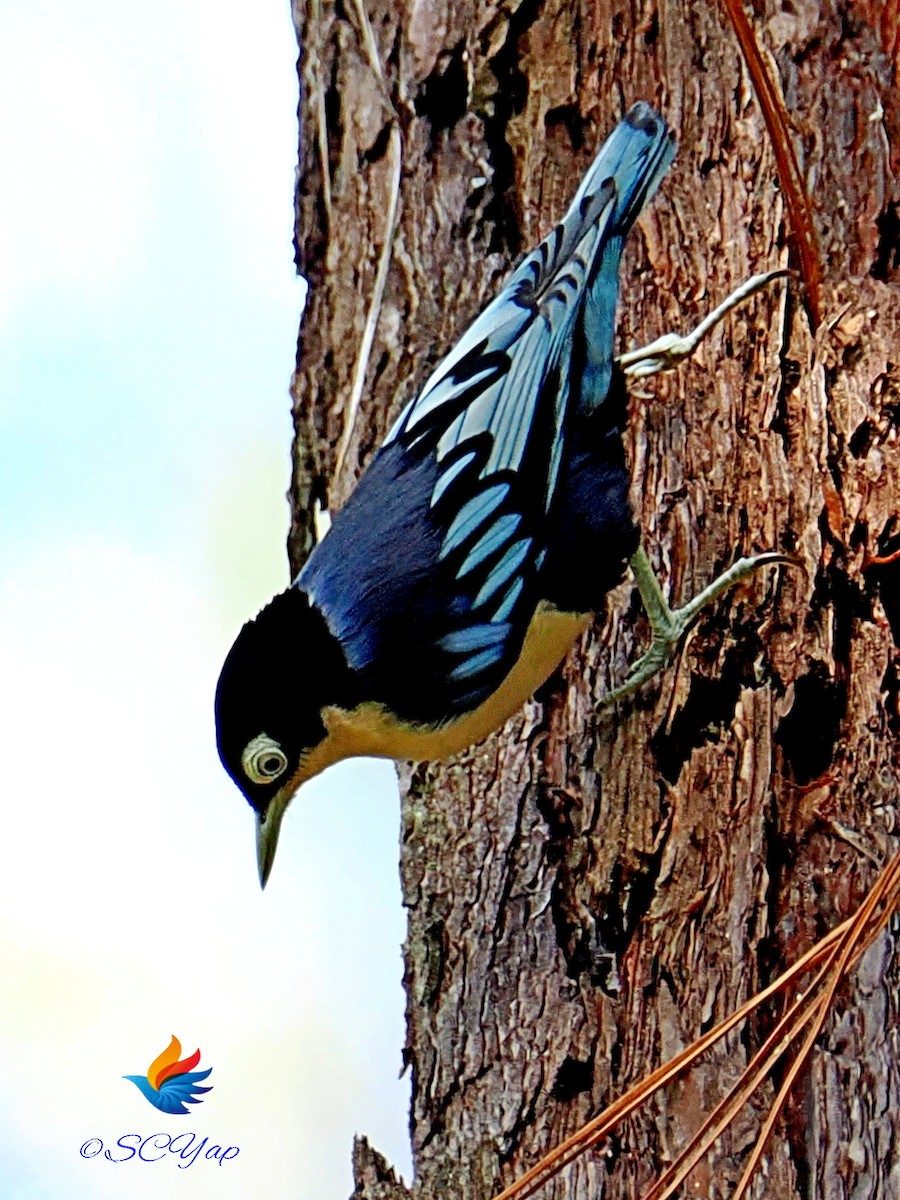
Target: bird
484 535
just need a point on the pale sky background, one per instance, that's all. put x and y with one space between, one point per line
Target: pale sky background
148 318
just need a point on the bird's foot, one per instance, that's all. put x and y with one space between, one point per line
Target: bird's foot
670 625
669 350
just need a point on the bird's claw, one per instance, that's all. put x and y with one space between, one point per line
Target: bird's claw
670 625
662 355
649 664
669 350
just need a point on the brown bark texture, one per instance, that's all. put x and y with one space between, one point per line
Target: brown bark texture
588 893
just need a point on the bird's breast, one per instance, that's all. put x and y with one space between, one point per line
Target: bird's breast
371 729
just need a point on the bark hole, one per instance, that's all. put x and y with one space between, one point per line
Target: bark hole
568 117
887 256
709 708
443 98
573 1078
887 577
808 734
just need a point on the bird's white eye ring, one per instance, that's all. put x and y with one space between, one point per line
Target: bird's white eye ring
263 759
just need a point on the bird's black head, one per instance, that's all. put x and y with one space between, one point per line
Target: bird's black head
283 669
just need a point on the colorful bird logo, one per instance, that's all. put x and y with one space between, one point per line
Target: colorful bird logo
169 1083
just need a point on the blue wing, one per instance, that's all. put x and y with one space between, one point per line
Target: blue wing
449 526
494 381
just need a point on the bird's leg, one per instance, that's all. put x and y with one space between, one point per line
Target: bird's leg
669 625
669 350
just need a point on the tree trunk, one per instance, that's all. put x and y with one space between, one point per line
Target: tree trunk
587 894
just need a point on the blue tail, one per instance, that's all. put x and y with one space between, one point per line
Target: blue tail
634 160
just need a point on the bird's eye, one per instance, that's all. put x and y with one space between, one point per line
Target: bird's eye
263 759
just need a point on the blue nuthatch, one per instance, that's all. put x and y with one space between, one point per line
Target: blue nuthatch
482 538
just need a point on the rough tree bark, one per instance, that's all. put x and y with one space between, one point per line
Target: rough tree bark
588 894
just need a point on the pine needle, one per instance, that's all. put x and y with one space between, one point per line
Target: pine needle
833 955
792 186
